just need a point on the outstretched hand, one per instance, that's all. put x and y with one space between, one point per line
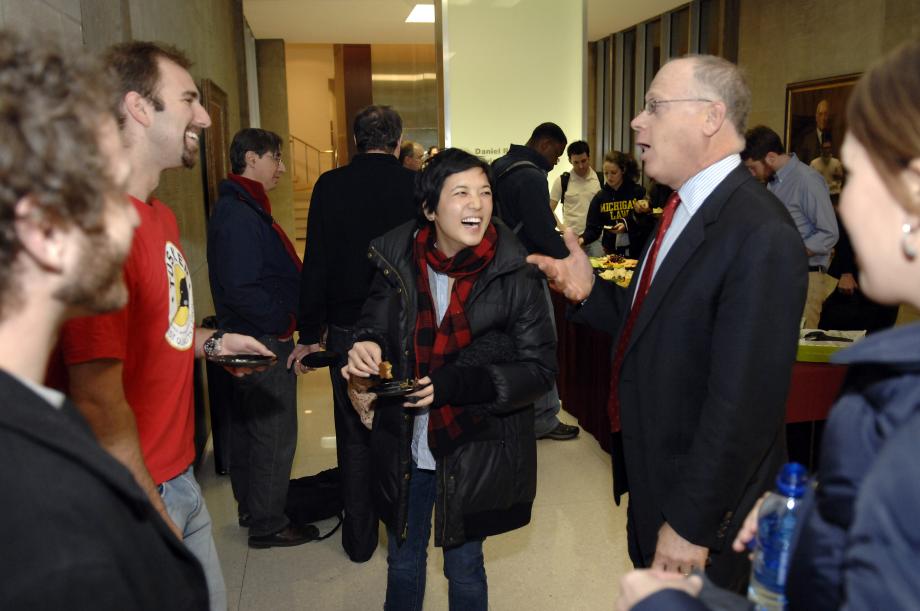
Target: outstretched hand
572 276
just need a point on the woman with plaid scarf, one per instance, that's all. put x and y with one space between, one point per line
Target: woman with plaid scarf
455 307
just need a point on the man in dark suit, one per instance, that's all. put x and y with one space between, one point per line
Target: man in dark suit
351 206
809 141
707 331
77 531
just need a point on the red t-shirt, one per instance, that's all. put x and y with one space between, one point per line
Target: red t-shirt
154 335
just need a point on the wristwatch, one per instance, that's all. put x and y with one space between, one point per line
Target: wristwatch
212 344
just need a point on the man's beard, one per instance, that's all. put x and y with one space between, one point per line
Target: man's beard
189 155
99 286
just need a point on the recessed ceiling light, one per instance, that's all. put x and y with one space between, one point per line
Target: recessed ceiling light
422 13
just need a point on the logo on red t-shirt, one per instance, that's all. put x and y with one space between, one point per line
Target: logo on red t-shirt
181 331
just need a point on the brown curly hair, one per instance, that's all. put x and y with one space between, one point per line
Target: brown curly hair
52 103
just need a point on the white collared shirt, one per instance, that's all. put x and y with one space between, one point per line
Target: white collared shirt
692 195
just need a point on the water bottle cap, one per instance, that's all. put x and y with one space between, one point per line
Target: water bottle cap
792 480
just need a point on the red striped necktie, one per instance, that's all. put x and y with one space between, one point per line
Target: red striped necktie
613 401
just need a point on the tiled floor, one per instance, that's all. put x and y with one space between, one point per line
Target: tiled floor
570 557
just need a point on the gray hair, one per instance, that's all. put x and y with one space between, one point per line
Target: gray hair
726 82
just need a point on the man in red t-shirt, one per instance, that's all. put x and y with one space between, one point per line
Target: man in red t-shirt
130 372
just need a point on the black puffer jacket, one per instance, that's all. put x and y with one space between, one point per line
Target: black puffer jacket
488 484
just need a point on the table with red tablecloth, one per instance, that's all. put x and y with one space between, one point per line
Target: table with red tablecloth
584 379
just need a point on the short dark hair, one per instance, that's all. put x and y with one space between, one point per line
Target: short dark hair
627 164
759 141
54 105
579 147
377 127
548 131
430 181
135 65
259 141
406 150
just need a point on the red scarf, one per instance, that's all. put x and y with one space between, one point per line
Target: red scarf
256 190
438 345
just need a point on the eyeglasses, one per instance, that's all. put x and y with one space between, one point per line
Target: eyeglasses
651 106
276 157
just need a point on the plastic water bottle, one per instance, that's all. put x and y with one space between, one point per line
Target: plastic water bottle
775 527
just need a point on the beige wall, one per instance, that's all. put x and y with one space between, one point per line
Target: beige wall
311 102
273 109
60 18
785 41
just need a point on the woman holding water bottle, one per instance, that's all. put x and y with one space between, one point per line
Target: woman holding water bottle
857 543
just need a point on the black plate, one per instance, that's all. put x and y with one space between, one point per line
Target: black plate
394 388
323 358
244 360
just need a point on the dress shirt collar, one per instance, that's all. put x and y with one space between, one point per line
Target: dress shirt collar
784 172
695 191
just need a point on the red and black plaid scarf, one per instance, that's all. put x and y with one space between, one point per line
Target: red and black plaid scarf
437 345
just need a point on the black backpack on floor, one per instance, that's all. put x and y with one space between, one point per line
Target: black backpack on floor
314 498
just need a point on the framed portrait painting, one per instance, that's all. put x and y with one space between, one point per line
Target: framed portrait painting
815 114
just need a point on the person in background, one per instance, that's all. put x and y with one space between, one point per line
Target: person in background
830 168
522 203
255 282
856 542
454 306
350 206
805 195
809 143
698 437
77 532
619 214
130 372
575 189
411 155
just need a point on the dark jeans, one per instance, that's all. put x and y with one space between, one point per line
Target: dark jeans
263 440
406 564
352 443
546 407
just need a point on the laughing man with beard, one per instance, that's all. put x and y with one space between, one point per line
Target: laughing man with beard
130 372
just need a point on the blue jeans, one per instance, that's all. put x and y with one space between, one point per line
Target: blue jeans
185 506
463 565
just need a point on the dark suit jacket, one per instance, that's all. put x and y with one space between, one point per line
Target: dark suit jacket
76 531
808 146
350 206
704 380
